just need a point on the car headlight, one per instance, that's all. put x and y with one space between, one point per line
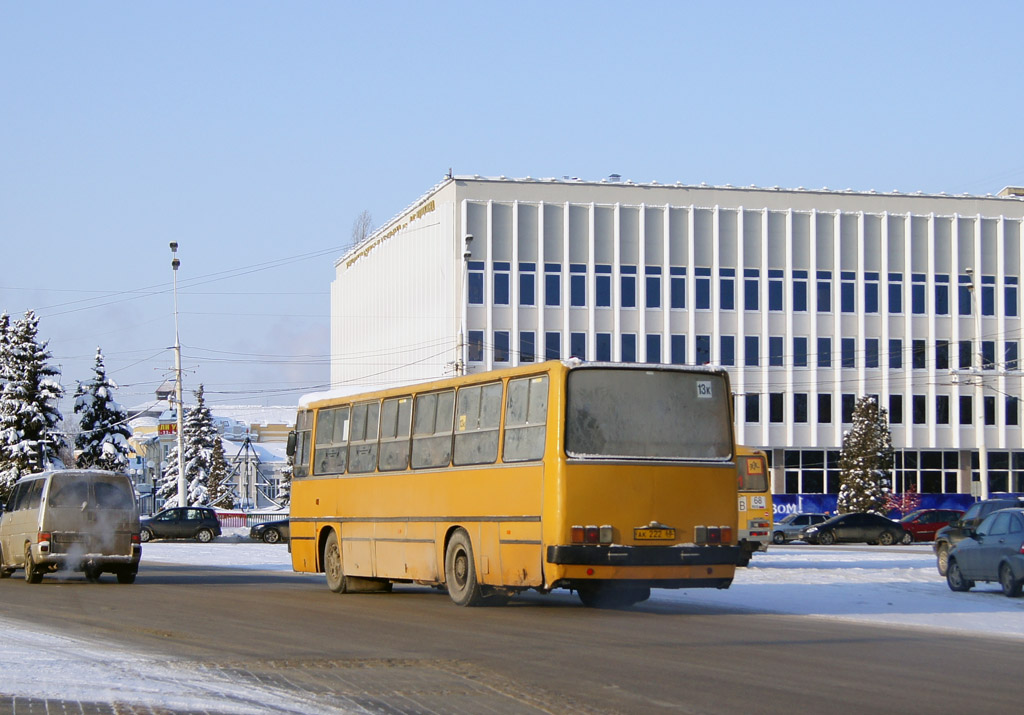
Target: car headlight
810 529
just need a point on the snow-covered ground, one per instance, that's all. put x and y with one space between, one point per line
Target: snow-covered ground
893 586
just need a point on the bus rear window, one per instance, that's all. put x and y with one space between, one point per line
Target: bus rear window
647 414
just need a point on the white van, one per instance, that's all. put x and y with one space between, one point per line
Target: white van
71 520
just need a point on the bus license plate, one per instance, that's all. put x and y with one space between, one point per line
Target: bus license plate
653 534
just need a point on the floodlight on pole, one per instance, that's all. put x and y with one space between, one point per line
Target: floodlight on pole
179 406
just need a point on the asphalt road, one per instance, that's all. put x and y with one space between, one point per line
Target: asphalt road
414 651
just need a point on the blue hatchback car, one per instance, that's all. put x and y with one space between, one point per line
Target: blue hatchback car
992 552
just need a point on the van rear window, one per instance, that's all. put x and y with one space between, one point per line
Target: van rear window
111 495
64 492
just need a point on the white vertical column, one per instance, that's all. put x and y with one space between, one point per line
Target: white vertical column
566 334
787 350
641 280
513 293
539 285
837 315
859 304
954 338
812 315
739 383
764 346
666 286
716 297
883 312
691 289
591 280
932 403
617 284
908 335
489 289
1000 329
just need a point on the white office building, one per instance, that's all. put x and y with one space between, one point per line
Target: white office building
810 298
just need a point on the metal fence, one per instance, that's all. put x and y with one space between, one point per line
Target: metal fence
246 519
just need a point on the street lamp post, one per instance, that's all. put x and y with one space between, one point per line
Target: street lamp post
179 407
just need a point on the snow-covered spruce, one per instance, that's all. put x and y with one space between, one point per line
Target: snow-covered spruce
866 460
201 460
29 438
103 440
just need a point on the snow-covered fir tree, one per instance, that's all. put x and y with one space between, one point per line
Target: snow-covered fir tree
103 440
866 460
284 488
198 438
29 438
218 491
167 482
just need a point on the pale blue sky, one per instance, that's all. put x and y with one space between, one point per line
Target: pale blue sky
253 133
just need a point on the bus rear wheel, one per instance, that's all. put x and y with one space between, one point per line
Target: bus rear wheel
612 595
333 565
460 571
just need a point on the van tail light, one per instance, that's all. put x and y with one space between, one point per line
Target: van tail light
136 539
43 536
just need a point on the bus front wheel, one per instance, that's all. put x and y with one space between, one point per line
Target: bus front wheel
333 565
460 571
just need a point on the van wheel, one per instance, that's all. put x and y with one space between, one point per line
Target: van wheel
32 572
460 571
204 535
126 576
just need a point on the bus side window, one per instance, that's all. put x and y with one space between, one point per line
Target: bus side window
331 446
526 410
477 417
432 430
362 451
395 415
303 437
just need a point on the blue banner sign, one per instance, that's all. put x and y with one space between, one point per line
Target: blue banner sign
826 503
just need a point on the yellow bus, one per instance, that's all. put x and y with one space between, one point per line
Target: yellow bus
755 502
605 479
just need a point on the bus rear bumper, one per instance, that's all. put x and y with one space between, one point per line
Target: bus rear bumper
588 555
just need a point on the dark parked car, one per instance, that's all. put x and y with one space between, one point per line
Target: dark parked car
857 527
993 552
790 526
923 523
949 536
193 522
272 532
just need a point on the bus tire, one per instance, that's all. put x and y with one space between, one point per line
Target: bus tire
334 567
460 571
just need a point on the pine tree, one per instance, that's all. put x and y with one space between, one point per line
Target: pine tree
284 488
167 483
103 440
219 493
29 439
865 460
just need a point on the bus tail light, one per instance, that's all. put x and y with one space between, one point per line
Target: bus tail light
713 535
591 534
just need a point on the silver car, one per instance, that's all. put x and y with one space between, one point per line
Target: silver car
992 552
789 528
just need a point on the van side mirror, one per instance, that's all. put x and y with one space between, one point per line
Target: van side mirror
290 449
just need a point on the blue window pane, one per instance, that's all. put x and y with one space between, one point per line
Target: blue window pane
751 293
775 351
728 350
527 346
476 346
552 289
847 293
895 354
1010 301
703 349
988 354
678 289
678 349
917 301
1011 354
628 291
871 352
527 289
727 293
578 345
751 351
988 300
964 295
941 299
476 288
918 355
849 352
500 346
603 285
824 352
870 297
895 297
703 293
653 288
501 288
774 294
577 290
552 346
800 296
628 347
800 352
654 348
824 296
604 347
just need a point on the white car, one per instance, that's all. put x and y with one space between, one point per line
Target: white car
789 528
